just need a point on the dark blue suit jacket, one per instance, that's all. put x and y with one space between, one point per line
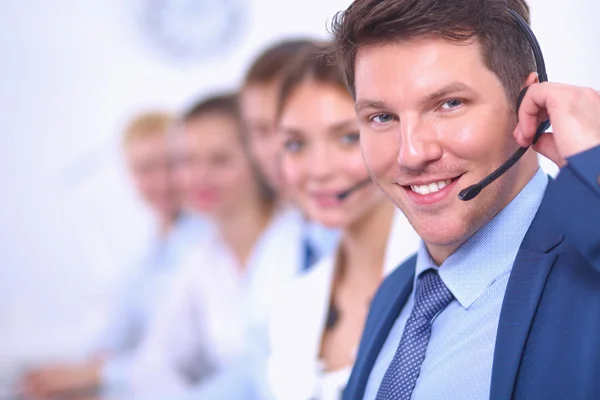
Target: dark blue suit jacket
548 341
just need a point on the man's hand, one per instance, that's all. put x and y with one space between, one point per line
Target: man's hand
575 116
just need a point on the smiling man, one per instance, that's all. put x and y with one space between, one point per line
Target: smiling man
503 298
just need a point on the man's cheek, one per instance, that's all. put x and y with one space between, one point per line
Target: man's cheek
379 156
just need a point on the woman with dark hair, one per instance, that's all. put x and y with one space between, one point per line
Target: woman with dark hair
316 330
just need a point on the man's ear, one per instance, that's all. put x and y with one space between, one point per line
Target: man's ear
531 79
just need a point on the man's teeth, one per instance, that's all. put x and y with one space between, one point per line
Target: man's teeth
431 188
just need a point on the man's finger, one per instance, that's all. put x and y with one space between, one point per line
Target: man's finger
533 109
546 146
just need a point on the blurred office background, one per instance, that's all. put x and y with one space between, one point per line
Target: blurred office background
72 72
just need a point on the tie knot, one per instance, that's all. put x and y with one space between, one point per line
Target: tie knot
432 295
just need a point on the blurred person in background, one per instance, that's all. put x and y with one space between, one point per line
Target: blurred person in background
259 102
149 161
245 374
224 287
319 321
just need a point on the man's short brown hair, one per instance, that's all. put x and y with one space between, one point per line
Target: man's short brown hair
505 49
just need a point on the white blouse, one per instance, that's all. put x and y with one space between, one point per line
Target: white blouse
297 326
202 323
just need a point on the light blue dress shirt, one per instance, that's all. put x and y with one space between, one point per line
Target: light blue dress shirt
458 362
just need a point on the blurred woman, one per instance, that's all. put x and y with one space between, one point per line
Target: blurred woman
316 331
224 287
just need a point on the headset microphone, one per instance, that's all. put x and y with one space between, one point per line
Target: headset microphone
348 192
473 190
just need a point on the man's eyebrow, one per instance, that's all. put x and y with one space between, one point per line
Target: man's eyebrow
362 104
449 89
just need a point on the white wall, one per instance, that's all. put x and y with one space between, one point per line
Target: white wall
70 75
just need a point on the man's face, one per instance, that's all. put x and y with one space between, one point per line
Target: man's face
259 106
434 120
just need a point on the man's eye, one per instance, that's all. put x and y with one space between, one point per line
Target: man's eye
293 146
450 104
351 138
382 118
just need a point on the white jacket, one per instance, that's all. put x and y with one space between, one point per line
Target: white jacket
299 321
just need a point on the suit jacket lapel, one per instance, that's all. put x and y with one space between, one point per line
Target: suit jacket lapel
525 287
393 301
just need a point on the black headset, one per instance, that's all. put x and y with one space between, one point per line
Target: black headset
473 190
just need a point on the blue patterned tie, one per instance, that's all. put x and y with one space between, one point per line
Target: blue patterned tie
432 296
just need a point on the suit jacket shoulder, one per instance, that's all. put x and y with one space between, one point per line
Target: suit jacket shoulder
547 343
574 203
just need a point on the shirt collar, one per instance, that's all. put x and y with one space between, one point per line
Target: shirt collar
490 253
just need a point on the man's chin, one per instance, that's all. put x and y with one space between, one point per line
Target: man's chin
442 237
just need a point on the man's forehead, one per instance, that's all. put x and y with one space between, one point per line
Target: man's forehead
416 67
419 44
